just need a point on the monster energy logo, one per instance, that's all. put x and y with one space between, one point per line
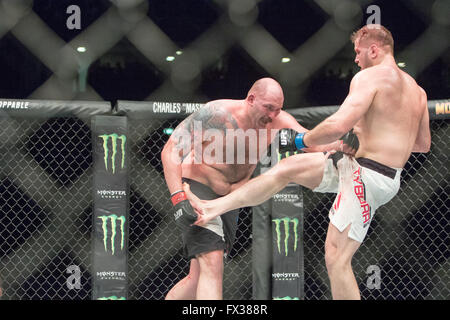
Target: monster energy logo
286 222
286 154
286 298
114 137
113 218
112 298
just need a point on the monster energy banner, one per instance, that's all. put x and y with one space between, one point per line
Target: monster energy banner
287 244
110 218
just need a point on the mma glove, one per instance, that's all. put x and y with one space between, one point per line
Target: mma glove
351 140
290 140
184 213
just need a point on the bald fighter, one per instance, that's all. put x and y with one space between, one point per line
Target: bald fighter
198 152
388 112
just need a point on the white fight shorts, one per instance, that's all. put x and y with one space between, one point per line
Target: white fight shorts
362 186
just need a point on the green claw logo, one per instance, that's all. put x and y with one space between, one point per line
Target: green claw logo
114 137
286 298
286 222
112 298
286 154
113 218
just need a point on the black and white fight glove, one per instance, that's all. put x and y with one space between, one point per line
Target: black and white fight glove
290 140
184 213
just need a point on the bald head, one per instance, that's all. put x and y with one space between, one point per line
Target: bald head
264 101
265 86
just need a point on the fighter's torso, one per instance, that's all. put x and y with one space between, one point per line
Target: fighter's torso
388 130
228 151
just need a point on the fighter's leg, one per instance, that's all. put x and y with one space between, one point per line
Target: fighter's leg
211 275
339 251
305 169
186 288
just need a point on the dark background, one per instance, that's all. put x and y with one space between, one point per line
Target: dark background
122 71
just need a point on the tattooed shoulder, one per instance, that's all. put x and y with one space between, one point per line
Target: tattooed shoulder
214 115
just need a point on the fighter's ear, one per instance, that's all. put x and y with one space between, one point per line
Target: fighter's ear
373 51
251 98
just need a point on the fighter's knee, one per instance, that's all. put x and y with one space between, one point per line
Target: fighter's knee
289 167
285 169
306 169
211 261
335 262
194 270
330 257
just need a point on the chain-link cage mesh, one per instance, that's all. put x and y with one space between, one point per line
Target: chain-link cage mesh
156 263
45 217
46 220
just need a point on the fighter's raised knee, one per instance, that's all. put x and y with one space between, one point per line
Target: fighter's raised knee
305 169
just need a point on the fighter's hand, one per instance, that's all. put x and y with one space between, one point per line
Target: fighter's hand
350 143
347 149
195 201
200 206
290 140
184 213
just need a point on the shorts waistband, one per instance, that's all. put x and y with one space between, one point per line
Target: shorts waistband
378 167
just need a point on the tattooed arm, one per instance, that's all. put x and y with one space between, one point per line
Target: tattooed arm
189 135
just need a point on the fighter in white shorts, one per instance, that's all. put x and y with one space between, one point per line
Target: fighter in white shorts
388 112
362 186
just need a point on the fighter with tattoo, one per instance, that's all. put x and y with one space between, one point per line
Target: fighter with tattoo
216 151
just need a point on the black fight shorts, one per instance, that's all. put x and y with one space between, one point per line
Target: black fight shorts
218 234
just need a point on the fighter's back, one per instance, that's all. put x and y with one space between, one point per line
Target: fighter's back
388 130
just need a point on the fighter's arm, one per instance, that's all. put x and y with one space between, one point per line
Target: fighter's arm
423 140
171 166
362 92
183 143
285 120
177 148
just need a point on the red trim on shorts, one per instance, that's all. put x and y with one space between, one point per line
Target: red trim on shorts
338 201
